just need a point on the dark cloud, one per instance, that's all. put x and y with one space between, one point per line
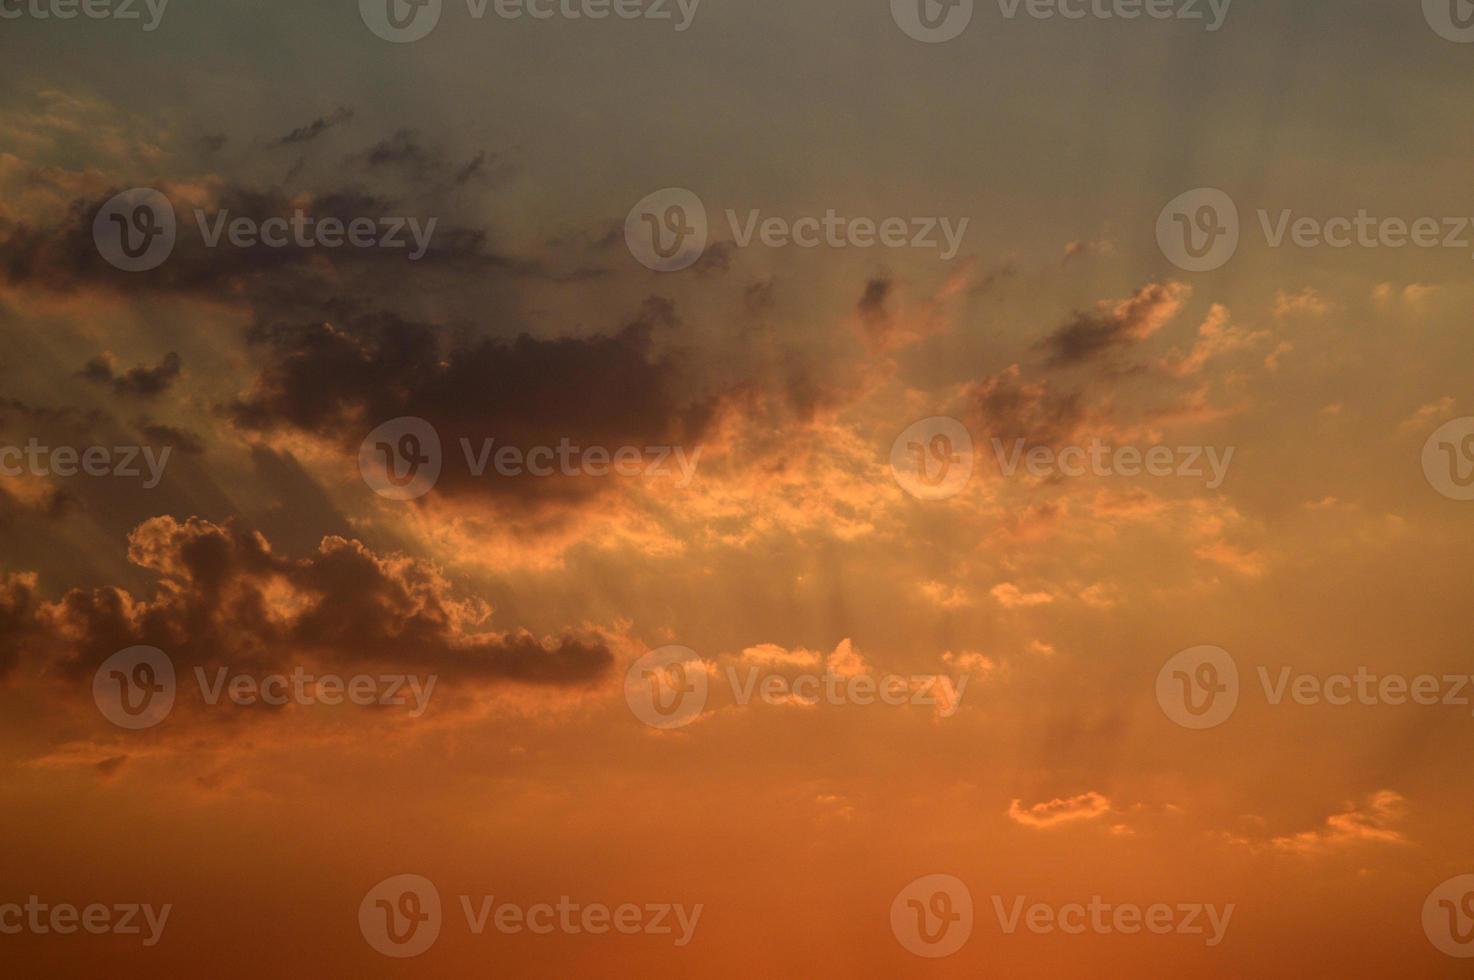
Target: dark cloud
1009 409
1090 335
314 129
225 597
182 440
339 381
142 382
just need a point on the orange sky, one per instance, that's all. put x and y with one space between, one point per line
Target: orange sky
1170 625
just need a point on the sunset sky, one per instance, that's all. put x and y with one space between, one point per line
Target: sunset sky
1021 617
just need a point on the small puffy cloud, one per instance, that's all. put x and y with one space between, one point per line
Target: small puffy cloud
1086 806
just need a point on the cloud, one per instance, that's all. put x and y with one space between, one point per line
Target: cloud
339 381
1087 806
1216 337
141 382
1010 596
1115 324
314 129
224 597
1370 822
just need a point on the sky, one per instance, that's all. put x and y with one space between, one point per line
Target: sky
728 489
